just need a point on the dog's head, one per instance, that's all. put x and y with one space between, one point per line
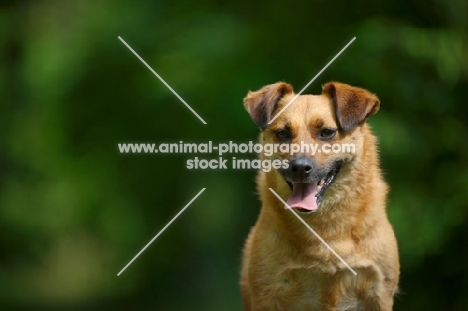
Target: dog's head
328 129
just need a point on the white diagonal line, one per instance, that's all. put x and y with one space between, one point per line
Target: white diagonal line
315 233
164 82
316 76
159 233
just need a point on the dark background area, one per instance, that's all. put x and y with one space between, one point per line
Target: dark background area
74 211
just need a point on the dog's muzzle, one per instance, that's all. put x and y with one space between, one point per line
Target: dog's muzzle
308 183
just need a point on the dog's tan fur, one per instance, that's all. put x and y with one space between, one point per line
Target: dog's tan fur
285 267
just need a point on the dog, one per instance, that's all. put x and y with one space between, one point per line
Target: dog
340 195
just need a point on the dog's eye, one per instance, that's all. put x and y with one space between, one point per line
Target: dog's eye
283 135
327 133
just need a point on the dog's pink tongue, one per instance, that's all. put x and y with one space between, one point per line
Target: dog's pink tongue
303 196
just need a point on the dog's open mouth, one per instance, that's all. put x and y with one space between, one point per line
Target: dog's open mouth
306 197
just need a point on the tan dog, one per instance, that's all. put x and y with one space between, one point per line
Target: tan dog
340 195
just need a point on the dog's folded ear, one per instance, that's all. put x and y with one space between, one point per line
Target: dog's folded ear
353 105
262 103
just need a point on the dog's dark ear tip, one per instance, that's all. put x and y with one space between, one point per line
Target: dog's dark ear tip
347 126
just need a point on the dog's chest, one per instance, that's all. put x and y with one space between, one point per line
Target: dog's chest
309 289
298 289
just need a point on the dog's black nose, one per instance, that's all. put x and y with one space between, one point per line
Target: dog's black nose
301 167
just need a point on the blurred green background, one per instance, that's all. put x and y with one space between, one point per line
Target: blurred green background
74 212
